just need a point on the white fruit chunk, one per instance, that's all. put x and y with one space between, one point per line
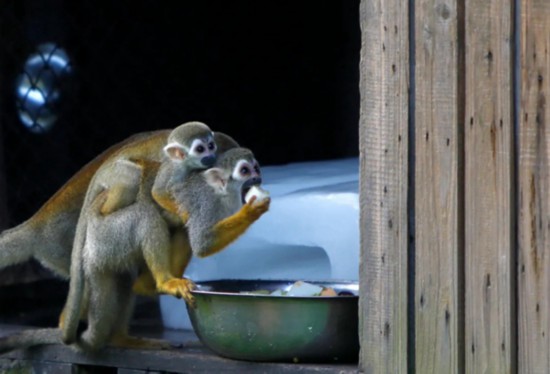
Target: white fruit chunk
257 191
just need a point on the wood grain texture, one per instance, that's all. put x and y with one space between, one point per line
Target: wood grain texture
189 357
384 73
489 208
534 189
438 200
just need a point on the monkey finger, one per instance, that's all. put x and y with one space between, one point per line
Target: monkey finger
266 203
251 200
263 202
261 207
190 300
184 288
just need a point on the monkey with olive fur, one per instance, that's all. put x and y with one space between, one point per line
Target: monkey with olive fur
217 216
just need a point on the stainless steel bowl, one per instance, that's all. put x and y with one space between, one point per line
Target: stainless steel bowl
261 327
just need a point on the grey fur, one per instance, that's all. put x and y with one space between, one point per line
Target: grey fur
109 251
208 204
19 244
171 174
49 241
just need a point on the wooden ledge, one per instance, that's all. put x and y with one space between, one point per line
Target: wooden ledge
188 355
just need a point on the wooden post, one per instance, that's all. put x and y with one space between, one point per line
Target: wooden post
534 189
489 209
439 111
383 186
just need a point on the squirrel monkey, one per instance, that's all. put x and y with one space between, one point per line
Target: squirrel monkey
215 200
168 179
127 176
115 238
190 146
119 244
211 204
49 234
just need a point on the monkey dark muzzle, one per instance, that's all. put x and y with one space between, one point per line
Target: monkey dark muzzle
208 161
256 181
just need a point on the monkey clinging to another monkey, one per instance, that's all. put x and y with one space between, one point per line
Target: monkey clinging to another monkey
131 207
118 245
120 232
48 235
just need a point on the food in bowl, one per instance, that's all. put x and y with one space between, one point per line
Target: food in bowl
298 288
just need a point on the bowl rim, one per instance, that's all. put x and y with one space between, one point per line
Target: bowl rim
349 285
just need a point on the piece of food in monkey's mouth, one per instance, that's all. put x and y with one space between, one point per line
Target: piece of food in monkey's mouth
257 191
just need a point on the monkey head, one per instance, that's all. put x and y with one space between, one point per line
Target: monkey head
236 171
192 143
224 142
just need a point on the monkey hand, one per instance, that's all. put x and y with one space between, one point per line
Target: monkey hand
254 209
180 288
230 228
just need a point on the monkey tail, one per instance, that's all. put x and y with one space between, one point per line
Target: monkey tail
29 338
16 245
73 306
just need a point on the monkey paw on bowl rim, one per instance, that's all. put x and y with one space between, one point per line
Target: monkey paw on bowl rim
180 288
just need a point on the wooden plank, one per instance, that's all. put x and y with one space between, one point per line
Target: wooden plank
182 360
534 189
489 206
134 371
384 79
43 367
189 357
439 109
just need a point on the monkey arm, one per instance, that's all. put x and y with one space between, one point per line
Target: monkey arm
180 255
159 251
227 230
167 202
180 252
163 187
145 284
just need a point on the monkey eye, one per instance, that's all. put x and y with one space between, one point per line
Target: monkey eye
200 149
257 169
211 146
245 170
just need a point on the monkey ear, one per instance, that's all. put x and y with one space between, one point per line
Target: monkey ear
174 151
217 179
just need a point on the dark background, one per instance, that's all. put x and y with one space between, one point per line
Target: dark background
281 77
